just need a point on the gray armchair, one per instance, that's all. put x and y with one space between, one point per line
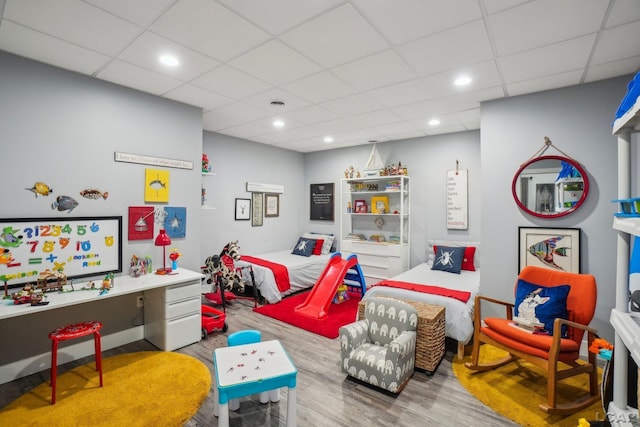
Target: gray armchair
380 349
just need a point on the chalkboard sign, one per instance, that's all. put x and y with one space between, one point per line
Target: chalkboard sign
78 247
322 202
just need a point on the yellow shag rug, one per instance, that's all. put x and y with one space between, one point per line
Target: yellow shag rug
149 388
515 390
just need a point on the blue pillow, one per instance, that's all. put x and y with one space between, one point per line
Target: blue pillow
448 259
304 247
541 302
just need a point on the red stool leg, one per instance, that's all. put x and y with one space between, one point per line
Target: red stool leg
98 346
54 368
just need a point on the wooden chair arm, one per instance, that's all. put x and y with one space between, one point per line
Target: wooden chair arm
554 351
477 307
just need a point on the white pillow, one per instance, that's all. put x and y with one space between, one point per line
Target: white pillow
326 245
432 243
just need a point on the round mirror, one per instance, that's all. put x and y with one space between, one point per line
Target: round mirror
550 186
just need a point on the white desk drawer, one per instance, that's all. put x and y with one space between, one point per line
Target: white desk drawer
182 291
181 308
371 248
183 331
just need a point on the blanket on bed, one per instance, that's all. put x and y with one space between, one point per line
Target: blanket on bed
280 272
428 289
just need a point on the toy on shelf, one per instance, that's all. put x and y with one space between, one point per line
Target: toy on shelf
628 207
30 295
51 280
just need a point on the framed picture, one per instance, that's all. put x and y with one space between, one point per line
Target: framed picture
321 202
271 205
141 222
553 248
380 204
175 222
256 209
360 206
243 209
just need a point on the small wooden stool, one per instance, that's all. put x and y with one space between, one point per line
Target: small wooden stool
69 332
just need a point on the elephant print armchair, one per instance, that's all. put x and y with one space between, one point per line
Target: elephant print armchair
380 349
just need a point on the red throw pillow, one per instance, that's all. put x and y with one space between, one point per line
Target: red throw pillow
467 260
317 249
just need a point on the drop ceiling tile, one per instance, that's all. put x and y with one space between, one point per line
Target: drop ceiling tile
420 110
351 105
312 114
618 43
294 135
271 15
377 70
418 18
470 119
613 69
338 36
209 28
402 93
554 59
494 6
230 82
624 11
319 87
360 121
202 98
454 48
441 130
469 100
483 75
140 12
74 21
543 22
50 50
138 78
275 62
146 50
540 84
242 112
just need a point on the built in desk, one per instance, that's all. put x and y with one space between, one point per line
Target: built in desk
172 319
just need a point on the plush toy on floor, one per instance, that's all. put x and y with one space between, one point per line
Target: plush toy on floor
341 294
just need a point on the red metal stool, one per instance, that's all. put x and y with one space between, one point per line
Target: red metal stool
69 332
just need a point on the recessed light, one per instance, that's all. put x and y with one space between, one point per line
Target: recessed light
434 122
278 123
462 81
328 139
169 60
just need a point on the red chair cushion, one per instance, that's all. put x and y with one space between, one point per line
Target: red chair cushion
503 331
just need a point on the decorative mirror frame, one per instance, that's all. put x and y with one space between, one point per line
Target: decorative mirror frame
573 163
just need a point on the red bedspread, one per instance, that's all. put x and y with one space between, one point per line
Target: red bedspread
280 271
427 289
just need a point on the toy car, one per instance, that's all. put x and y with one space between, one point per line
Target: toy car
212 319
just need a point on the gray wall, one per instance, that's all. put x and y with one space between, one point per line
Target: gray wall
62 128
236 162
578 121
428 159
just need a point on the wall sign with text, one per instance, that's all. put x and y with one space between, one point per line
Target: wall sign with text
322 204
457 203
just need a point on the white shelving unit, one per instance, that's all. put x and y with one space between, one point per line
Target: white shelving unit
625 324
204 204
388 256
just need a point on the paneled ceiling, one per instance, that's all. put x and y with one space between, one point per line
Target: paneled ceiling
356 71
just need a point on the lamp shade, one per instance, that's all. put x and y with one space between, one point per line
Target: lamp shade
163 238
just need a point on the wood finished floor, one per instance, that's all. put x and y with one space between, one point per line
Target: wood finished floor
324 396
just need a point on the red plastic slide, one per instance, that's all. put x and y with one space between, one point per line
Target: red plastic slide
317 303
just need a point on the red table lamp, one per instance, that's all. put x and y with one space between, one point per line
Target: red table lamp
163 240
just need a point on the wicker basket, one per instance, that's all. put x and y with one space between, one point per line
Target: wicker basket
430 345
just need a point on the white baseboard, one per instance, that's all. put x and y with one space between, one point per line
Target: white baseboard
41 362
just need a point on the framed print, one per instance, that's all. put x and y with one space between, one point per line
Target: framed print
141 222
322 204
243 209
175 222
256 209
380 204
271 205
360 206
553 248
156 186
